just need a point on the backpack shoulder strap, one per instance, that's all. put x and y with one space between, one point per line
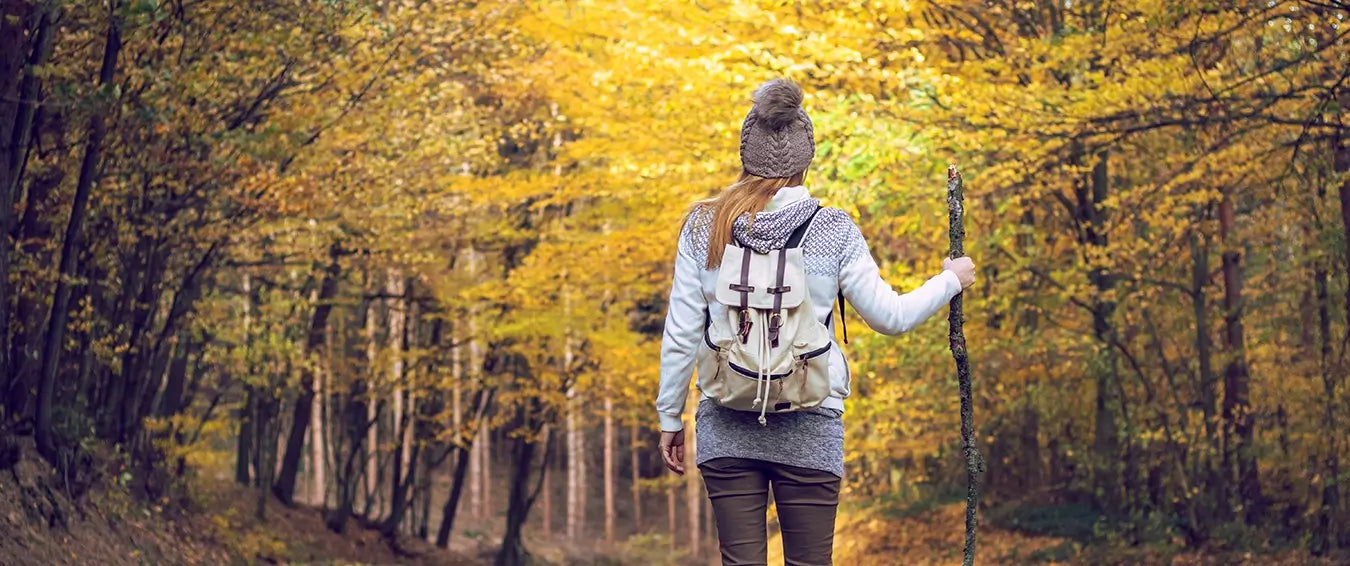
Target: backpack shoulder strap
843 320
795 239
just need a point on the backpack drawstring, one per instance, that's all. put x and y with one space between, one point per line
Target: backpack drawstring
763 378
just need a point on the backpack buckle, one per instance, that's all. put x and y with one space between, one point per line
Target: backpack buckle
775 322
744 325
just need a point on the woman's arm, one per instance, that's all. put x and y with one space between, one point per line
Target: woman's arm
679 344
879 305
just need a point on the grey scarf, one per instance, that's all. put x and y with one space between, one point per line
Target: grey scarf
770 229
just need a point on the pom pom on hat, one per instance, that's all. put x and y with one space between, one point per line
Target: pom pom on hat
778 103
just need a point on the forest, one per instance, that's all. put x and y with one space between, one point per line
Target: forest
406 262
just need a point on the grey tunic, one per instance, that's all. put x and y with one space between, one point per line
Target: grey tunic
813 438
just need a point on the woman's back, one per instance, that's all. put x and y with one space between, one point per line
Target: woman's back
799 454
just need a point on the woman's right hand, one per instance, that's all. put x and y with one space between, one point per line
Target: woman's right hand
963 267
672 450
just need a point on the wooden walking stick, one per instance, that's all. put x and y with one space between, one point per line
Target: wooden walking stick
956 336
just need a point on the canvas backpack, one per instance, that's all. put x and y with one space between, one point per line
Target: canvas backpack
770 354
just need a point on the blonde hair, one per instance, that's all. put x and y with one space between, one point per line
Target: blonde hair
748 195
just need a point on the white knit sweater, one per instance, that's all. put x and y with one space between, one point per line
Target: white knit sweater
836 257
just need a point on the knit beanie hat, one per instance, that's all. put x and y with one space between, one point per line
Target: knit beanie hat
777 139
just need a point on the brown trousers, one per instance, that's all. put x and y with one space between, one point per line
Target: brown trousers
806 500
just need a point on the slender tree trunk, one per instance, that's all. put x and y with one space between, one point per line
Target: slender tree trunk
486 465
476 473
1208 393
548 502
243 451
609 470
1239 455
464 461
574 501
263 441
317 460
512 551
1106 437
397 332
397 345
637 478
693 483
411 446
244 444
399 501
20 85
284 487
485 453
522 495
1341 165
670 515
396 478
355 424
1326 532
372 443
70 246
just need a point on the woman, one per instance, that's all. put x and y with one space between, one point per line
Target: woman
800 455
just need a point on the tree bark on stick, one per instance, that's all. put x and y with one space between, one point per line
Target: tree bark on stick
957 339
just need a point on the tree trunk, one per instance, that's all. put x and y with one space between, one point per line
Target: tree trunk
372 444
1325 533
355 424
512 551
521 496
243 448
70 247
397 336
1341 165
476 473
574 497
19 85
396 481
243 453
395 319
464 461
452 501
318 462
1208 394
485 452
548 502
485 468
399 501
637 478
693 485
1106 436
670 515
609 470
263 440
284 487
1239 450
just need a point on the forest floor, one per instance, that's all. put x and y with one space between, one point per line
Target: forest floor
934 535
41 525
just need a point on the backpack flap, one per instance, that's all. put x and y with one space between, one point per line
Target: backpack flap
760 273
